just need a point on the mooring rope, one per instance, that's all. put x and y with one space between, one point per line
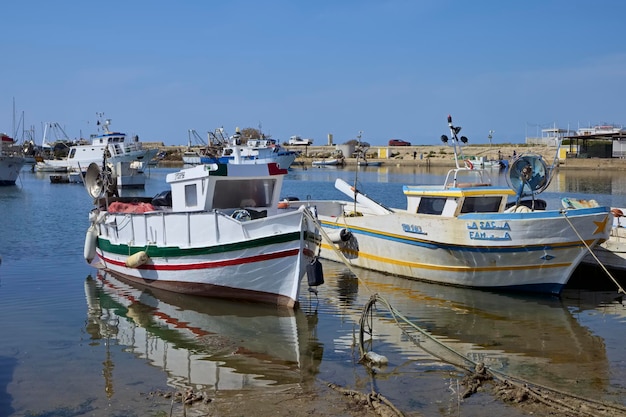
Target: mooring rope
480 372
584 407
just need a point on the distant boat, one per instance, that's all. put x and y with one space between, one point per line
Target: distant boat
337 159
115 146
11 160
366 163
329 162
222 149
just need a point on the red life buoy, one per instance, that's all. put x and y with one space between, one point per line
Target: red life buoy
469 164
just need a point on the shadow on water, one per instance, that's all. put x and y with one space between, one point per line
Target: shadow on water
7 365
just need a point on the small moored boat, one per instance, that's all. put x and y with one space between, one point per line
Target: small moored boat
218 232
11 160
115 146
466 232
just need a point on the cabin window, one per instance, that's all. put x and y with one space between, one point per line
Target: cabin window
431 205
72 153
243 193
481 204
191 195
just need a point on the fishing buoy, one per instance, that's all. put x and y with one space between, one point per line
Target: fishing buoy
91 237
338 236
137 259
617 212
315 273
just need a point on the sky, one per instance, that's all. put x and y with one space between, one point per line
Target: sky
386 68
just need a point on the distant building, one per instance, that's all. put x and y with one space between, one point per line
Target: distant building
550 137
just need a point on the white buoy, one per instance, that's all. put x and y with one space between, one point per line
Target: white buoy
91 237
137 259
376 359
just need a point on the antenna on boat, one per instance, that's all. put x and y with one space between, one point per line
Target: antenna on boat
458 150
356 172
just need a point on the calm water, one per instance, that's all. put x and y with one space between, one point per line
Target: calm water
76 343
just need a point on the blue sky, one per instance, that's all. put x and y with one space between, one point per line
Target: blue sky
389 68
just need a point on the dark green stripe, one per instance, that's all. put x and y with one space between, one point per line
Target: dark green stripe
155 251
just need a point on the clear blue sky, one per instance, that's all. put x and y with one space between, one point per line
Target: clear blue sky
389 68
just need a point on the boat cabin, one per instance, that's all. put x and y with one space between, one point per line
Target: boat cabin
226 186
455 198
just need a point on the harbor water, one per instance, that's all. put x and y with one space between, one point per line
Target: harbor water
77 342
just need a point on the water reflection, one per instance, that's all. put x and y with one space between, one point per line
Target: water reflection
533 338
589 182
208 344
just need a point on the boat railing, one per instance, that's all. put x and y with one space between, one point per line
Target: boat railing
470 177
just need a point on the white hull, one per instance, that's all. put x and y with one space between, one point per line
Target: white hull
283 160
92 155
219 257
328 162
10 167
190 159
116 147
534 252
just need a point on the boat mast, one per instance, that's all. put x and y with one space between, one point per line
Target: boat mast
456 142
356 171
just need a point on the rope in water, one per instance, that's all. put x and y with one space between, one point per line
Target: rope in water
546 395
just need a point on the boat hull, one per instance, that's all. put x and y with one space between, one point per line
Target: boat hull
210 253
531 252
328 162
283 160
10 167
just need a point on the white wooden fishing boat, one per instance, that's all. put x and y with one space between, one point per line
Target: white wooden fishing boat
11 160
466 232
115 146
218 232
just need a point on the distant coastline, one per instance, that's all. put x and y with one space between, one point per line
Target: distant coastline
429 155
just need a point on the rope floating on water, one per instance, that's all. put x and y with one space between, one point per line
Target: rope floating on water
508 388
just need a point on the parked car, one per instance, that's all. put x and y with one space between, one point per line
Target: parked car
297 140
398 142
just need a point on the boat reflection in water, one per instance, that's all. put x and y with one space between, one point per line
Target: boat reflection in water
202 343
535 338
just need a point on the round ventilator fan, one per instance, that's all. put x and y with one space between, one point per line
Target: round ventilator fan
529 175
93 180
